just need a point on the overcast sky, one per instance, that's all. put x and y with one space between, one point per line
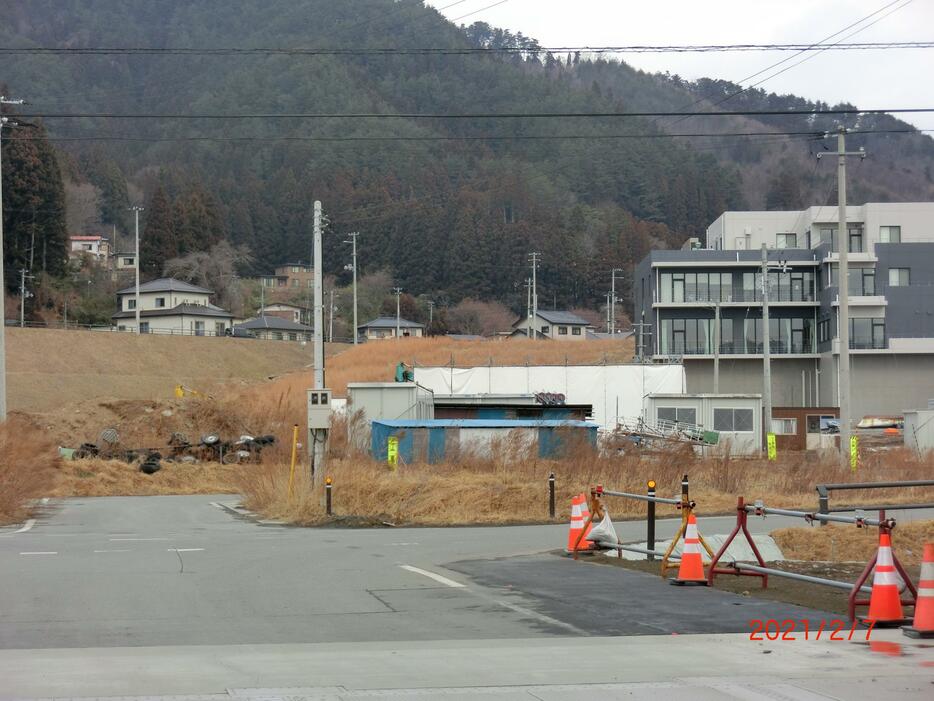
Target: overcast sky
869 79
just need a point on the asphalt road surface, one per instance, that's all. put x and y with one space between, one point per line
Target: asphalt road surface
178 595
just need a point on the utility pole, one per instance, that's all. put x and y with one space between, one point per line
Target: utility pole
22 295
608 323
136 211
318 304
331 318
534 257
528 299
4 122
843 244
353 267
397 291
613 301
766 346
431 313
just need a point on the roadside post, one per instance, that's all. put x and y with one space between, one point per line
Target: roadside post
650 520
392 452
551 495
292 462
771 445
327 495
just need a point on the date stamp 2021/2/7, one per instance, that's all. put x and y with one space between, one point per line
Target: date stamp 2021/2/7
803 629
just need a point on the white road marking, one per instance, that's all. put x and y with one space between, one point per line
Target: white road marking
541 617
126 550
40 553
432 575
113 539
185 550
26 526
216 505
404 543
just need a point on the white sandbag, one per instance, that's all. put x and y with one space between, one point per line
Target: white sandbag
603 532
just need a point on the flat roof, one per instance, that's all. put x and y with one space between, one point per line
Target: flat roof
483 423
705 395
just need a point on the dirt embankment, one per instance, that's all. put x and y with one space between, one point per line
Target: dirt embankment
48 368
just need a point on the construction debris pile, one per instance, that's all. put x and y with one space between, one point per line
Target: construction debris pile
209 448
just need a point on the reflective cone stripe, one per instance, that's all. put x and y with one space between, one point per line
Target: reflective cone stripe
577 523
923 624
691 568
884 602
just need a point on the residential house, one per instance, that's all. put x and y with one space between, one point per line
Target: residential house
289 276
125 262
92 246
679 295
170 306
274 328
385 327
557 325
292 312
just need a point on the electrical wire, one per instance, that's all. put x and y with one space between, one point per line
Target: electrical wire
464 51
467 115
477 12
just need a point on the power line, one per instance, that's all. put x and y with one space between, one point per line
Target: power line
817 46
445 51
474 115
477 12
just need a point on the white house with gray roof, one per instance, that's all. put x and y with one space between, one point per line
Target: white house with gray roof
385 327
274 328
170 306
556 325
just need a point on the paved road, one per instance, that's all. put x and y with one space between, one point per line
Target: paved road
117 584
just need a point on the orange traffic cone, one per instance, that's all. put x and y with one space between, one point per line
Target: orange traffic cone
691 570
885 605
923 626
578 519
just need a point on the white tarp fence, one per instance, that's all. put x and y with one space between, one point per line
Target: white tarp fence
614 391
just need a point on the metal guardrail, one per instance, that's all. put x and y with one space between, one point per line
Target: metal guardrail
823 496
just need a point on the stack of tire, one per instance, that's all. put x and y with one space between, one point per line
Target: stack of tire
151 463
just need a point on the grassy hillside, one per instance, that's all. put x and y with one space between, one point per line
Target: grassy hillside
50 368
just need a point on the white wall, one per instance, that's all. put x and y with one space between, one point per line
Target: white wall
615 391
172 299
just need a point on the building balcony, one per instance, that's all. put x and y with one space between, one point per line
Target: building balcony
747 349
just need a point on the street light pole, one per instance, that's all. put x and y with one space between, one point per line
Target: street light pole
136 211
397 291
353 240
4 121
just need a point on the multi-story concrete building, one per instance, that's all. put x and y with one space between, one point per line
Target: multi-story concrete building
679 294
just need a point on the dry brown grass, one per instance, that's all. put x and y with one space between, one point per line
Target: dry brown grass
376 362
28 462
47 368
108 478
513 488
839 543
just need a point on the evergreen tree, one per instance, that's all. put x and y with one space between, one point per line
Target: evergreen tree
158 239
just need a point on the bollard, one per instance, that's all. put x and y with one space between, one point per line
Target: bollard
650 522
551 495
294 455
327 496
823 501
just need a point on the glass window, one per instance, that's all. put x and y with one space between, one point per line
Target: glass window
786 241
546 329
562 330
199 328
677 287
899 277
128 261
131 304
219 328
829 236
576 331
890 234
665 283
690 287
703 287
733 420
785 427
160 302
144 327
681 415
856 240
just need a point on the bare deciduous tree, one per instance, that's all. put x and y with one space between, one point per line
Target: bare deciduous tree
215 269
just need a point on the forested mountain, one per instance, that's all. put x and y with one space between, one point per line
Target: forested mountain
450 214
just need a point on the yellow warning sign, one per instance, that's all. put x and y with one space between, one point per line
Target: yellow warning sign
392 451
854 452
770 442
